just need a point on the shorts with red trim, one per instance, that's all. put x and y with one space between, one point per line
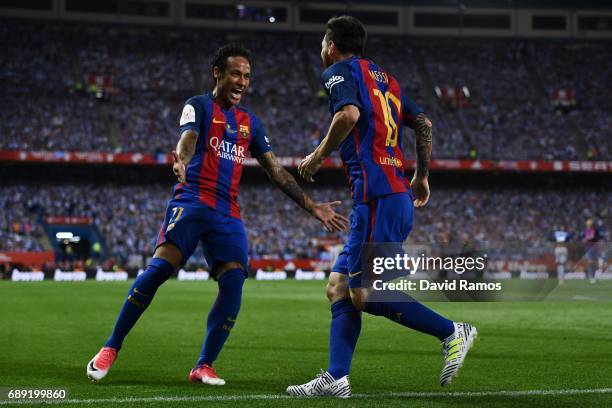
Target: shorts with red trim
386 219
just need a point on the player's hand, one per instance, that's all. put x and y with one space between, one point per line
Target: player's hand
178 167
332 221
309 166
420 187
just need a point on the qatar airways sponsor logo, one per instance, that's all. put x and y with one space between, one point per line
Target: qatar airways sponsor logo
227 150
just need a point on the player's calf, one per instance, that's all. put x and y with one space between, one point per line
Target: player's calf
222 316
139 298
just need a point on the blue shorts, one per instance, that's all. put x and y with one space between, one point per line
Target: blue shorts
591 252
385 219
188 222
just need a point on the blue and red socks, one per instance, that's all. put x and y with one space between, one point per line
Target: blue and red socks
344 332
222 315
138 299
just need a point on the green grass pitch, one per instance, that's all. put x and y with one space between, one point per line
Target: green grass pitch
50 330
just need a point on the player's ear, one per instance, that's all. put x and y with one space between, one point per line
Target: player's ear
331 48
216 73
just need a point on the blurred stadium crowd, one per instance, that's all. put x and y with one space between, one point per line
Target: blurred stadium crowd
509 114
128 217
50 103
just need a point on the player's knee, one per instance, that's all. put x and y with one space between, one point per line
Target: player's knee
230 279
337 287
158 271
358 302
170 253
359 297
230 292
144 287
222 268
336 292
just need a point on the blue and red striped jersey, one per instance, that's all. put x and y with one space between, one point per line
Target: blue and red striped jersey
591 235
372 152
224 137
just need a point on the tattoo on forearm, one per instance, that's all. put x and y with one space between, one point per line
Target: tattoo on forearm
286 182
423 132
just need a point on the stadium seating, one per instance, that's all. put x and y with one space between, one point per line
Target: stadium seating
278 229
509 115
50 103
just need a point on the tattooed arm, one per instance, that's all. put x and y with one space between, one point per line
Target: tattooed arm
287 184
422 147
423 132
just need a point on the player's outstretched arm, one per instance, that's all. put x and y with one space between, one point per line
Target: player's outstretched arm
342 123
422 147
185 149
284 180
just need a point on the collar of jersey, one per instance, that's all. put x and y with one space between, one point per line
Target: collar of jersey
211 96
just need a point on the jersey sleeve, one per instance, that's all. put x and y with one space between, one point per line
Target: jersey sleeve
410 110
260 143
191 117
340 87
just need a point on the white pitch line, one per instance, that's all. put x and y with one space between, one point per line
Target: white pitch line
221 398
523 393
580 297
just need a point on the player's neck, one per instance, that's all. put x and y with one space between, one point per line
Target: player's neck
219 100
342 57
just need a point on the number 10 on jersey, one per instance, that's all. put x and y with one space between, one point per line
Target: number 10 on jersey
385 102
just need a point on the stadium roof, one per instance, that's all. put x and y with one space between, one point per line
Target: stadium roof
553 4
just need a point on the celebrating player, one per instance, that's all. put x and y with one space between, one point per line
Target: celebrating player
216 134
590 237
368 109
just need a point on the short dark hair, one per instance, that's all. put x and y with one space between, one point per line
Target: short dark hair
347 33
230 50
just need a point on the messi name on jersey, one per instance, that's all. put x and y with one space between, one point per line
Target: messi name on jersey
379 76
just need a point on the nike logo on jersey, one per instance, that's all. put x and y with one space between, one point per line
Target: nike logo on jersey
215 120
